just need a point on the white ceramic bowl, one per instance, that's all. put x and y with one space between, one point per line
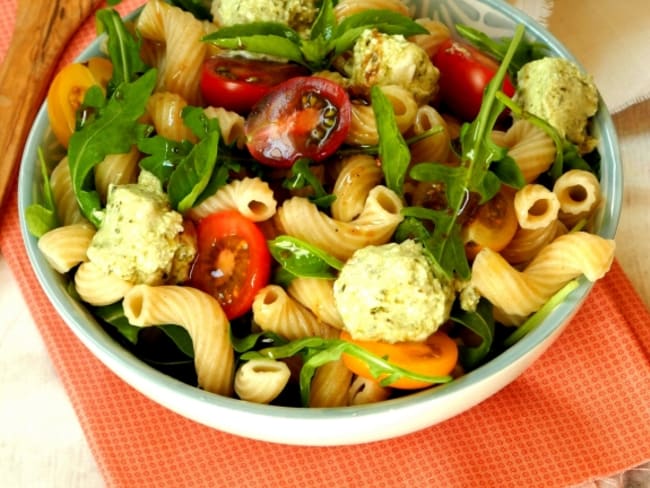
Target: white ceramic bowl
346 425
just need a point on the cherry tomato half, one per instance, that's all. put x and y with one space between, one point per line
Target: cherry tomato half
233 261
305 116
464 74
437 356
238 83
67 91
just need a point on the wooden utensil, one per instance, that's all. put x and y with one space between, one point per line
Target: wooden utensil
42 30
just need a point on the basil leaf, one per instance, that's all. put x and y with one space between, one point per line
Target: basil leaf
115 130
303 259
394 153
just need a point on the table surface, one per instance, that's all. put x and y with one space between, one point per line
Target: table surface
46 447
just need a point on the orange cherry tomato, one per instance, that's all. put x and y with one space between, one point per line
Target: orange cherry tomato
67 91
437 356
493 225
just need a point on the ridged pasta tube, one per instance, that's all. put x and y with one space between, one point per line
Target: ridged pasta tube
261 380
251 197
517 294
317 295
98 288
274 310
330 385
375 225
578 193
536 206
359 174
65 247
65 201
203 318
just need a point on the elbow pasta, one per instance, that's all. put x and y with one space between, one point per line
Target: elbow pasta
359 174
316 294
252 197
65 247
65 201
203 318
274 310
517 294
375 225
261 380
96 287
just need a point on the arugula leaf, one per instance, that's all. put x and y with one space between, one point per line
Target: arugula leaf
318 351
326 41
526 51
41 218
164 155
394 153
114 315
302 176
481 322
472 177
123 49
180 337
114 131
303 259
534 320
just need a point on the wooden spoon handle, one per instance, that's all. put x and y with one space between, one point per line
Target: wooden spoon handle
42 30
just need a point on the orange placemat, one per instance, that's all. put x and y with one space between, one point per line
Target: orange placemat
582 411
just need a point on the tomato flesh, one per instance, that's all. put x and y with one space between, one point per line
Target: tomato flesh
67 92
464 75
233 261
437 356
237 83
302 117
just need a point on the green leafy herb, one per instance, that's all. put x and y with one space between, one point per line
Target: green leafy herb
123 49
526 51
180 337
481 322
475 175
114 315
199 8
302 176
538 317
393 150
41 218
303 259
567 155
115 130
317 351
327 39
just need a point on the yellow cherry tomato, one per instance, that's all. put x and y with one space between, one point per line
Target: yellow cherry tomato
437 356
67 91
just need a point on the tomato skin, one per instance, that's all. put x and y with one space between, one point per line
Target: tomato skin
464 75
237 83
67 91
233 261
305 116
437 356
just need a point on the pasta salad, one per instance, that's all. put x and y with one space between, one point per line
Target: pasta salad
318 205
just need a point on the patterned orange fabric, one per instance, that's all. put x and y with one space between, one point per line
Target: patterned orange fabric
582 411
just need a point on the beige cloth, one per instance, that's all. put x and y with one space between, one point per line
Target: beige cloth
610 38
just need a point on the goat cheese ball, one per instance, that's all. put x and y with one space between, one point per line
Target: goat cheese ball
383 59
390 293
556 90
297 14
141 239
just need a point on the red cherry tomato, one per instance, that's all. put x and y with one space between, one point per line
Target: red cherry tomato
233 261
464 74
302 117
238 83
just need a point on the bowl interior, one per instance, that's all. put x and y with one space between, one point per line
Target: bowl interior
345 425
